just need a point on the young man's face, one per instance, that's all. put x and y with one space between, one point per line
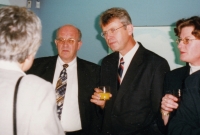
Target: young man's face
117 35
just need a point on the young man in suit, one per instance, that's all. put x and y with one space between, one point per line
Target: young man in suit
136 93
78 116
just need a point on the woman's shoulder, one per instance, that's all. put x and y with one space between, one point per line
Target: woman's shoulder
34 79
36 88
35 82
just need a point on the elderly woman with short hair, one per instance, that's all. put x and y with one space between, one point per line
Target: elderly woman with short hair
20 36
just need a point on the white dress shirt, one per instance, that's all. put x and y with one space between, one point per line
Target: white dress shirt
193 68
70 117
127 59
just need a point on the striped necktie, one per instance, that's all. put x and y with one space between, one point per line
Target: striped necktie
120 70
60 90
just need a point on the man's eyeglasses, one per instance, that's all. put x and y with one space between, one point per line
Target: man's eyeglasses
185 40
110 31
62 41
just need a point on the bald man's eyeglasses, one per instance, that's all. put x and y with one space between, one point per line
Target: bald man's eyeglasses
63 41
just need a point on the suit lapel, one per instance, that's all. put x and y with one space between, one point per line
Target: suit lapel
81 76
110 72
185 75
83 85
49 70
131 73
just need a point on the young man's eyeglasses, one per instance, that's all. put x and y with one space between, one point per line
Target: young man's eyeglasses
110 31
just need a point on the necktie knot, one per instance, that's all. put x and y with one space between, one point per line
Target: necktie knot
65 65
122 61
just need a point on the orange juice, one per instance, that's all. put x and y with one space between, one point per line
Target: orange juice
104 96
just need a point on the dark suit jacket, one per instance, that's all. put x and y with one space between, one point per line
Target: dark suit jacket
174 80
88 79
187 118
134 107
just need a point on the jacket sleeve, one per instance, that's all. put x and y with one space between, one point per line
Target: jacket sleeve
157 87
187 119
157 84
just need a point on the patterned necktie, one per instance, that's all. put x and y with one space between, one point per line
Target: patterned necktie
60 90
120 70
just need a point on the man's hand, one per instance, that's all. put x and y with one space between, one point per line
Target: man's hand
169 103
96 98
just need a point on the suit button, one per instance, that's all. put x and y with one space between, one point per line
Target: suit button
114 115
108 133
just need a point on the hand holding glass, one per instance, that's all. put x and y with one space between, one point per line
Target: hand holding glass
105 94
176 93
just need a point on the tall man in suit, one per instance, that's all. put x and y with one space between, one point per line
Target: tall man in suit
135 101
78 115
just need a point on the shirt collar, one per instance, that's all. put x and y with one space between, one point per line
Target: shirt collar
130 54
193 68
61 62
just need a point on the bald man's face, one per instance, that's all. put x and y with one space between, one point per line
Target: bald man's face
67 43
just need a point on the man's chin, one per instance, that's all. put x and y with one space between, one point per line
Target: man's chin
183 59
112 48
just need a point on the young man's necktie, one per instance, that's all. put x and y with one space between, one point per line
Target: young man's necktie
120 71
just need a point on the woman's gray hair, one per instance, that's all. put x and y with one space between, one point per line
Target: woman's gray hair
20 33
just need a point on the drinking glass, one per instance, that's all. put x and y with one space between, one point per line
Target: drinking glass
105 93
176 93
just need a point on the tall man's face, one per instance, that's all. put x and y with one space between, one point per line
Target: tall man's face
117 35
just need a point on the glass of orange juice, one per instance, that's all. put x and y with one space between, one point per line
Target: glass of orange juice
105 94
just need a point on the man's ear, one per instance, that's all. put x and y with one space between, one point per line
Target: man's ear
130 29
79 45
55 43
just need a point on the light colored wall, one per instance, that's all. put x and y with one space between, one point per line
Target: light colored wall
85 15
21 3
